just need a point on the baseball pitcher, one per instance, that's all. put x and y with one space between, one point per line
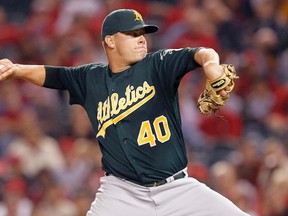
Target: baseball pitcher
132 104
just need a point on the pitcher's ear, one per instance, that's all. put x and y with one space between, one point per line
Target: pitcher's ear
109 40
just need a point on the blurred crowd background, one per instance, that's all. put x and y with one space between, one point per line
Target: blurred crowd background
50 162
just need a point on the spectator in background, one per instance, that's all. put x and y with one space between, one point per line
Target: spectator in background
228 19
71 9
274 157
79 125
76 168
35 149
14 200
276 194
277 120
199 31
17 10
225 180
247 159
11 102
82 200
256 114
10 36
55 203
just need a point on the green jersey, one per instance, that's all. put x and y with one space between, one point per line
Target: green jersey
135 113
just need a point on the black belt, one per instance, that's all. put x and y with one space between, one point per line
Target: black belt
159 183
162 182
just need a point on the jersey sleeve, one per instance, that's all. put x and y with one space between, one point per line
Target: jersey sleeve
72 79
173 64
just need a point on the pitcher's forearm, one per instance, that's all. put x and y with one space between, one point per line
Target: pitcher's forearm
32 73
209 59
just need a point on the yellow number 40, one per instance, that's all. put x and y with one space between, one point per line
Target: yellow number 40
146 135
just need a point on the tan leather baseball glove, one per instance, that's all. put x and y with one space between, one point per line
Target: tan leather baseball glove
210 100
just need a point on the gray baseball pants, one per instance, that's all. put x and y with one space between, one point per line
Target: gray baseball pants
182 197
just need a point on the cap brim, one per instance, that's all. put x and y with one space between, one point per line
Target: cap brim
148 28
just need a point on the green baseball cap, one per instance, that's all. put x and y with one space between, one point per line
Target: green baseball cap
123 20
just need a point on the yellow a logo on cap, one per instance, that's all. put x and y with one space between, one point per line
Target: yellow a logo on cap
137 16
